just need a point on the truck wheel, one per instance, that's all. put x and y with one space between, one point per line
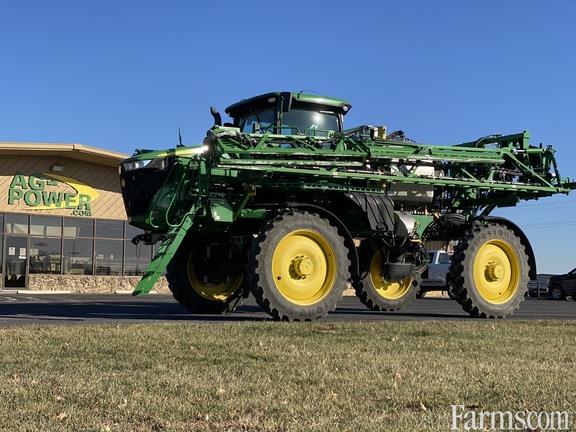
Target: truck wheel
377 293
299 267
556 293
450 291
490 271
205 278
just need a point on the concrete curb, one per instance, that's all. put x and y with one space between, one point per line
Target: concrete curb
38 292
129 292
436 294
56 292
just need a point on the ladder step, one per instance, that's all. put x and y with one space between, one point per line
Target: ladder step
163 256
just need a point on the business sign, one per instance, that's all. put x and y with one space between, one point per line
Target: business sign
51 192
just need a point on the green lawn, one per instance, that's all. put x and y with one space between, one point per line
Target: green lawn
280 377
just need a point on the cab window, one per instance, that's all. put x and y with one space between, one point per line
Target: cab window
308 122
263 118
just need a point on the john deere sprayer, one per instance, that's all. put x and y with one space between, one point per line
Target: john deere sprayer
285 203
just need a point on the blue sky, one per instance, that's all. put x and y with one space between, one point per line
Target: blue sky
125 74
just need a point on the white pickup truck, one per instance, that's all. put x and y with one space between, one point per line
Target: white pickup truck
435 277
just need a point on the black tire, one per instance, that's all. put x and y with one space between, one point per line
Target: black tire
465 288
320 291
189 294
556 292
371 295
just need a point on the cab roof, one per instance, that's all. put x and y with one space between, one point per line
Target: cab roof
269 99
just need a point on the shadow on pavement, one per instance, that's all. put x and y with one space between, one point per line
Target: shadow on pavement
117 310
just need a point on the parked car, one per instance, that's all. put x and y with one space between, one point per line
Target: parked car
562 286
436 277
538 288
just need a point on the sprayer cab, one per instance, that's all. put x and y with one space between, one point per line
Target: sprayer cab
286 113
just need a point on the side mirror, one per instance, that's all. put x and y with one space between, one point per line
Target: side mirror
217 116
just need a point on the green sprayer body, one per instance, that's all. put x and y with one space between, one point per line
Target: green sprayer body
289 150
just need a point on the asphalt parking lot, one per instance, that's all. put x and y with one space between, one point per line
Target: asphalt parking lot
23 309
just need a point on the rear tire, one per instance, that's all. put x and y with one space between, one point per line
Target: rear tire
205 278
490 271
378 294
299 267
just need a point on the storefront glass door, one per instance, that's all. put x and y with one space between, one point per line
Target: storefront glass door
16 253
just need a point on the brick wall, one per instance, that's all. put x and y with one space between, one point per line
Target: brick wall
88 284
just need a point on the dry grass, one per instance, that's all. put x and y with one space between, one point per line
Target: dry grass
279 377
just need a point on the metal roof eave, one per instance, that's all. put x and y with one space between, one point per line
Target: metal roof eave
70 150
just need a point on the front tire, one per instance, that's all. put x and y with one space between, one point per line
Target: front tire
299 267
206 277
490 269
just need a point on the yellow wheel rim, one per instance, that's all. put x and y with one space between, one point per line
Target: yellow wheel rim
496 271
389 290
304 267
215 292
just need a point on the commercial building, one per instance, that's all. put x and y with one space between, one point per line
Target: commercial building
62 220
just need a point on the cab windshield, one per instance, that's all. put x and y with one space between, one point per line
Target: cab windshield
308 122
294 122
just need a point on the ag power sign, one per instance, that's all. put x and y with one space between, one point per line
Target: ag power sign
51 192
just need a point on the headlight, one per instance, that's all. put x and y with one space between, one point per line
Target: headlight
134 165
146 163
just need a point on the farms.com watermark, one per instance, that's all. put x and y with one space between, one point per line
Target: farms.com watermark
465 419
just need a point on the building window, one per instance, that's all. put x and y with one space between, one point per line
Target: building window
16 223
78 227
132 231
44 244
136 258
1 242
46 226
45 255
15 261
78 256
108 257
111 229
